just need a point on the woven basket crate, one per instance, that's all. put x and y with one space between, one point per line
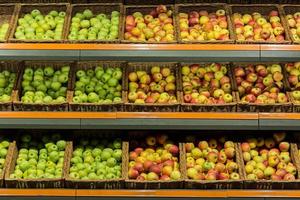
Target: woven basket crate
45 1
270 108
16 67
7 162
34 183
199 1
172 184
7 15
79 1
264 2
9 1
189 107
295 105
18 105
96 8
289 87
253 107
94 107
98 184
271 184
105 1
45 9
238 1
286 10
212 7
264 10
227 107
145 2
218 184
128 10
151 107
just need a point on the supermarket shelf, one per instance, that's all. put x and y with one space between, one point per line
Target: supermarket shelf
279 53
131 52
121 121
150 52
148 194
154 121
279 121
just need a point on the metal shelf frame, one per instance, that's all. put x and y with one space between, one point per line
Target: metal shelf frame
151 52
72 194
150 121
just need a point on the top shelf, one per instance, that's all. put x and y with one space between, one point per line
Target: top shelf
150 52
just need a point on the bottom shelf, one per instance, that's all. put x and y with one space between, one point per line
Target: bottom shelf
139 194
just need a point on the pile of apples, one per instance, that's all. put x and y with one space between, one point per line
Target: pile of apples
211 160
89 26
268 158
156 26
293 70
40 159
206 84
293 22
256 27
4 144
98 85
45 85
7 80
36 26
260 84
158 86
97 159
157 161
203 26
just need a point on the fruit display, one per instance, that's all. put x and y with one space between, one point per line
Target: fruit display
98 85
45 85
156 25
206 84
154 158
259 27
7 81
39 25
269 158
213 159
293 23
39 158
155 86
96 159
260 83
203 25
89 25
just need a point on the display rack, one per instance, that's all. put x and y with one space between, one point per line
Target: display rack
149 121
150 52
62 194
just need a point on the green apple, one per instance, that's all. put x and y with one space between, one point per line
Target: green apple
88 14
